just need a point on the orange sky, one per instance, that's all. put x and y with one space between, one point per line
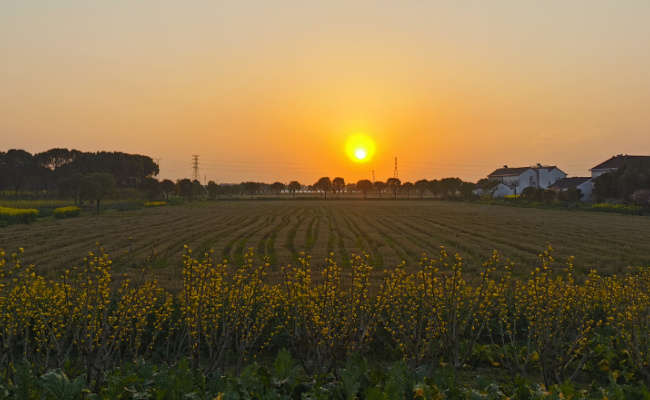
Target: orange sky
270 91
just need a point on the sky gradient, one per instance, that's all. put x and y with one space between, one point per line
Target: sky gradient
270 91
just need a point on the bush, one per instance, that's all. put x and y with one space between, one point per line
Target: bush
18 215
155 203
618 208
66 212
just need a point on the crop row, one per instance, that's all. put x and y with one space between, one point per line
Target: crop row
391 232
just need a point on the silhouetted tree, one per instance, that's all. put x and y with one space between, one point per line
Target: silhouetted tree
293 187
338 184
278 187
100 186
365 186
434 187
168 187
18 167
198 189
407 187
379 187
151 187
393 184
251 187
185 188
421 186
467 190
323 185
76 186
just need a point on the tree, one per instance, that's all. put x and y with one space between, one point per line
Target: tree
101 186
379 187
338 185
151 187
393 185
451 186
251 187
293 187
214 190
278 187
421 186
167 187
76 186
185 188
467 190
407 187
488 187
323 185
434 187
365 186
18 167
198 189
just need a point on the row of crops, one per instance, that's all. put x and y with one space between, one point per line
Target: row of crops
548 328
391 232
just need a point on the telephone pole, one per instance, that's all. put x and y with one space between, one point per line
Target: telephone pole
195 168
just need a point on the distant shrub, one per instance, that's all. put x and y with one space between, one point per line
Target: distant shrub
511 196
67 212
18 215
618 208
155 203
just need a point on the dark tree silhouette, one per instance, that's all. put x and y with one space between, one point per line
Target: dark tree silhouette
421 186
365 186
323 185
293 187
278 187
393 185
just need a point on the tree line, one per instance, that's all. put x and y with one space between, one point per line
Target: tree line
61 170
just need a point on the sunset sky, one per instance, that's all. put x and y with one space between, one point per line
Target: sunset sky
271 90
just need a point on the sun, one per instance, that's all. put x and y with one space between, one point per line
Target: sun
360 148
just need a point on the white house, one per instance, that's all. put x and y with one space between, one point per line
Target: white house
539 176
585 184
613 164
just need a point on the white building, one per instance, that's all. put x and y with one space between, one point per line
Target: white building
613 164
517 179
585 184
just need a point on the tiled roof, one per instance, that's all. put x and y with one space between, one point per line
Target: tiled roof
617 161
566 183
518 171
509 171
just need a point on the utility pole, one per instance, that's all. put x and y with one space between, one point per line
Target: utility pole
395 172
195 168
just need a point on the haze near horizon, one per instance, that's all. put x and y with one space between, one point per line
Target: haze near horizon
273 91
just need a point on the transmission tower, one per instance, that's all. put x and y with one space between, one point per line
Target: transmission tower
395 172
373 176
195 168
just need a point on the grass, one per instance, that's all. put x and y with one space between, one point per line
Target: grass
391 231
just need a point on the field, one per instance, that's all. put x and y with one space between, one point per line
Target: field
389 231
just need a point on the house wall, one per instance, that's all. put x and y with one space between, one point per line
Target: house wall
550 177
597 172
586 188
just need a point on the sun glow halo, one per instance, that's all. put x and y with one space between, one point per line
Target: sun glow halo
360 148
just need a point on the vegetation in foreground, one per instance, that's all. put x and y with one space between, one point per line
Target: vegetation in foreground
545 333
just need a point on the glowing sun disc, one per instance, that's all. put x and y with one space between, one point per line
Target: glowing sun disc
360 148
